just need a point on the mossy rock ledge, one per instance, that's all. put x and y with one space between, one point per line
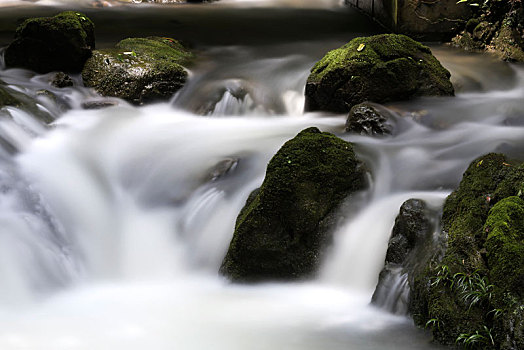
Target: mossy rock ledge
45 44
476 290
380 68
282 230
138 70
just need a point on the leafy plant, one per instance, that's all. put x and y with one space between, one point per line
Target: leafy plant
442 276
477 339
433 323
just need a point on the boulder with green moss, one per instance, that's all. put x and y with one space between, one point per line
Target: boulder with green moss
476 289
138 69
380 69
282 230
60 43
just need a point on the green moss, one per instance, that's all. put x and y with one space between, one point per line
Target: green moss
280 232
505 244
391 67
466 210
157 48
138 69
60 43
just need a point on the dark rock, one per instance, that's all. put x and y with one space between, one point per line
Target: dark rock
280 233
412 226
12 98
409 248
60 43
99 104
62 80
477 286
7 98
369 119
379 68
138 69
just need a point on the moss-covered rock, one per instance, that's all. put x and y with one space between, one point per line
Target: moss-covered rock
60 43
379 68
138 69
282 230
477 287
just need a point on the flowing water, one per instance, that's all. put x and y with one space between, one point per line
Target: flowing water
114 221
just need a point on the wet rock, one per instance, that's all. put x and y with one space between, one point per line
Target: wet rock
12 98
99 104
282 230
60 43
223 167
7 98
481 272
409 247
379 68
62 80
369 119
139 69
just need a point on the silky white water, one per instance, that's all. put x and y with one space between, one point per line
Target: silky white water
114 221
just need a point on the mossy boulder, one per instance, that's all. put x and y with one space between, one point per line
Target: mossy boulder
138 69
60 43
282 230
477 286
379 68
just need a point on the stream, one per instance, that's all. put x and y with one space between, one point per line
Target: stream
114 221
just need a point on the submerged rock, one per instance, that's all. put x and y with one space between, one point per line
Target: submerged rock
138 69
60 43
379 68
369 119
62 80
7 98
282 230
477 287
12 98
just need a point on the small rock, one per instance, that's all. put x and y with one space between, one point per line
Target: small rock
99 104
62 80
369 119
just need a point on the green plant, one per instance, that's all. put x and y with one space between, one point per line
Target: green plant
473 288
477 339
442 277
433 323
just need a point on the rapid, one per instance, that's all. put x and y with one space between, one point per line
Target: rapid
114 221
